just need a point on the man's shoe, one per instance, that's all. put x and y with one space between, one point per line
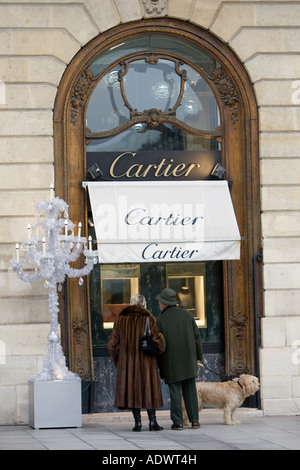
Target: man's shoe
177 427
196 425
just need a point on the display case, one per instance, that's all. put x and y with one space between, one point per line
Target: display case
188 281
118 284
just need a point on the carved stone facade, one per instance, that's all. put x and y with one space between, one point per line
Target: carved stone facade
41 40
155 7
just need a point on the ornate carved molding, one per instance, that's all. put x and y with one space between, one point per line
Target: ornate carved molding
81 346
81 91
155 7
80 330
80 367
238 324
227 92
240 365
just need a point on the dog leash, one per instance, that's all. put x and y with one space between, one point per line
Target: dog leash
223 377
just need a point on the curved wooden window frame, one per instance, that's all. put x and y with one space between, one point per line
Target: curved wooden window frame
236 99
151 116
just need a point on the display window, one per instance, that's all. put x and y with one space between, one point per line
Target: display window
118 284
188 281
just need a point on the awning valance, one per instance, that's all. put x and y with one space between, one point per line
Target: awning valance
167 221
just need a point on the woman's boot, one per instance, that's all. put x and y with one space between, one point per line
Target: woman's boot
137 419
153 425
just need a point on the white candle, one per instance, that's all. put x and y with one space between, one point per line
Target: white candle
51 190
66 227
17 252
29 231
79 230
44 245
90 243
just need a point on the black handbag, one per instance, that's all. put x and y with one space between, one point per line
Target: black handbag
147 344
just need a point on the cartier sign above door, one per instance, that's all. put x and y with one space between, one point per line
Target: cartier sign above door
158 165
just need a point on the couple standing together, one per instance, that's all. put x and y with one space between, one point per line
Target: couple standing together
137 383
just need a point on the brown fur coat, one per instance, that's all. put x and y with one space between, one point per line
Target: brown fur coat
137 381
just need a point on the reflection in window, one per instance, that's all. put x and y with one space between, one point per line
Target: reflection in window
189 284
199 108
118 284
158 42
106 108
163 137
152 85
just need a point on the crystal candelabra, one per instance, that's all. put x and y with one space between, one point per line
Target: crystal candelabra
48 251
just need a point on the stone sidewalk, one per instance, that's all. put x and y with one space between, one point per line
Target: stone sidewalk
112 432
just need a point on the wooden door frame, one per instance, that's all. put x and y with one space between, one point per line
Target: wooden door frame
234 92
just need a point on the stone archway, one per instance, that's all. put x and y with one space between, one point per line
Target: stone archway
233 89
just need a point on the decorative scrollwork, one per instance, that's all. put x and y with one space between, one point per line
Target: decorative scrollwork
153 7
151 116
80 93
240 366
227 92
80 367
151 59
238 321
80 329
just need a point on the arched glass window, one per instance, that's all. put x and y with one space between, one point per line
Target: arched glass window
143 84
141 91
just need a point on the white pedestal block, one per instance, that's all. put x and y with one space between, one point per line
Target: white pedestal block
55 404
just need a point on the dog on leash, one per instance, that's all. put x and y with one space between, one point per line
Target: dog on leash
226 395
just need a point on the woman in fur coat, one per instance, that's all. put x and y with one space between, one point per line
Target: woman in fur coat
137 380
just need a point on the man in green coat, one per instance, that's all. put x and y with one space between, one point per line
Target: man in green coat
178 363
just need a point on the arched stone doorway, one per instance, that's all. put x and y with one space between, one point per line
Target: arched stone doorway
238 133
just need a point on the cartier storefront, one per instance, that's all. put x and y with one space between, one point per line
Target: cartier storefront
155 153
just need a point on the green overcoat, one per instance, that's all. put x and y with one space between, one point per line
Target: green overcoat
183 345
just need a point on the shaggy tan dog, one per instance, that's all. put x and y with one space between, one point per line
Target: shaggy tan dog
226 395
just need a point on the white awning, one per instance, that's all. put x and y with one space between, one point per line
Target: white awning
167 221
